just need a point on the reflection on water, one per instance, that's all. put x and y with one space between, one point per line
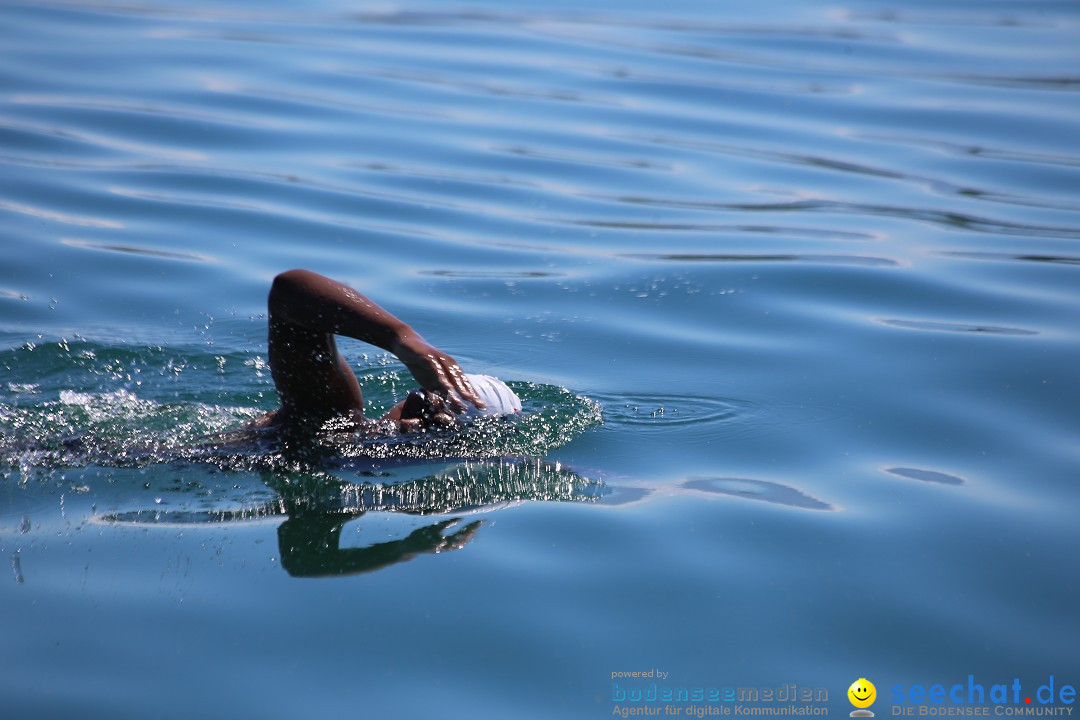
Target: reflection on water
409 488
310 545
317 505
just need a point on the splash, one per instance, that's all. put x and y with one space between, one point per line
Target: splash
71 404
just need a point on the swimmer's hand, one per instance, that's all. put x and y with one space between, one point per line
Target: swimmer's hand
436 371
435 542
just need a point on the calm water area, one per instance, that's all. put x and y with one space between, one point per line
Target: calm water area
790 291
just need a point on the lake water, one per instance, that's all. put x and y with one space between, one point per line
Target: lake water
790 291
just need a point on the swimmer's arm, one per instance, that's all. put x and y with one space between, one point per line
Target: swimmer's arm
316 302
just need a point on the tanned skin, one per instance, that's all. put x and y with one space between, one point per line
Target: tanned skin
316 385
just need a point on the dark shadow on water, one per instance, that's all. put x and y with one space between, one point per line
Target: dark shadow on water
763 490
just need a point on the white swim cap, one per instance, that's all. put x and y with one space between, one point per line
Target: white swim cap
493 392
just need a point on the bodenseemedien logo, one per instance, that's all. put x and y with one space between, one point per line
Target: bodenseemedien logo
862 695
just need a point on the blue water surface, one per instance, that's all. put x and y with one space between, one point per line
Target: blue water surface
790 291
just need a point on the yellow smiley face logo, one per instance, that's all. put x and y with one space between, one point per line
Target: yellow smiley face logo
862 693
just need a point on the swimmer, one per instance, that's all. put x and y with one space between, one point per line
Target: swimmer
317 386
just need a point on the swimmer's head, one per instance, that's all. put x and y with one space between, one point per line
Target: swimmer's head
424 409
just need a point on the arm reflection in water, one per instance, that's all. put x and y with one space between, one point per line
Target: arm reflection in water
319 504
310 545
318 509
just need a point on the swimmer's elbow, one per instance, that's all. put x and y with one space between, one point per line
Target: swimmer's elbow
287 284
291 278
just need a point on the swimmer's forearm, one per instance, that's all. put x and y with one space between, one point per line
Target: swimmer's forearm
316 302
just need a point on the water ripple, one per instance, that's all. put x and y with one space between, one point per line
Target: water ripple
841 165
310 98
1055 259
1060 83
944 218
99 140
654 410
60 217
147 108
980 151
786 231
699 82
135 250
860 260
497 274
497 89
443 174
955 327
584 159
